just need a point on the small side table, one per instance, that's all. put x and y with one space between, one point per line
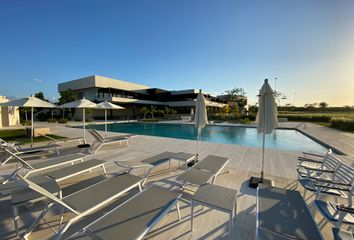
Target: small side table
218 198
183 157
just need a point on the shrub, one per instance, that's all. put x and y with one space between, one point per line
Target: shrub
62 120
77 120
26 123
51 120
306 117
149 120
343 123
42 117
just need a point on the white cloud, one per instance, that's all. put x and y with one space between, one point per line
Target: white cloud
37 80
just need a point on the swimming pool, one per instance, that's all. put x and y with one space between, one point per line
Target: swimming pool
284 139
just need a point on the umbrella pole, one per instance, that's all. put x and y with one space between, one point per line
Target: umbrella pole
263 148
105 120
83 127
198 139
31 126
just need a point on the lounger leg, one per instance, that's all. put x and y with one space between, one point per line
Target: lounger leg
178 210
146 176
36 221
192 215
99 147
140 187
230 226
6 160
15 218
104 170
169 166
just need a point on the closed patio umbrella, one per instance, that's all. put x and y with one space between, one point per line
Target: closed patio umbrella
107 105
200 117
266 121
81 104
31 102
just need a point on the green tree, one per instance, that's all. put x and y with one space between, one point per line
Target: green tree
66 96
40 95
323 104
236 97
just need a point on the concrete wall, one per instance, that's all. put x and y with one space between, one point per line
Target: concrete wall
9 116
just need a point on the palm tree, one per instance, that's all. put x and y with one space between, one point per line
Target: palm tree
152 111
145 110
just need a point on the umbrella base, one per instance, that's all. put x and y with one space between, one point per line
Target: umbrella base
85 145
254 181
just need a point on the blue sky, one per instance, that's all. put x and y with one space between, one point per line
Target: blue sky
178 44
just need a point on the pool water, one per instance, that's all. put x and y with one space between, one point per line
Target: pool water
283 139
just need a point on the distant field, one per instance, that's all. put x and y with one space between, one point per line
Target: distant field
339 120
330 114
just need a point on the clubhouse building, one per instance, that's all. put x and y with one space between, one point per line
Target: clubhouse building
134 96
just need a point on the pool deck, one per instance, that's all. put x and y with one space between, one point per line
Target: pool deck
209 224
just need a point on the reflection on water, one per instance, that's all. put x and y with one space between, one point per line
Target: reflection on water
279 139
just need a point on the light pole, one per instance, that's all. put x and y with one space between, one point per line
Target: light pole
294 98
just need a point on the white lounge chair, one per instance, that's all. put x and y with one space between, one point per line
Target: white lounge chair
341 185
31 168
60 141
85 201
134 218
150 163
100 142
18 150
205 171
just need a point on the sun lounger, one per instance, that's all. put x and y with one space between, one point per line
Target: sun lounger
205 171
85 201
339 184
66 140
308 167
283 214
18 151
60 174
100 142
30 168
133 219
150 163
340 234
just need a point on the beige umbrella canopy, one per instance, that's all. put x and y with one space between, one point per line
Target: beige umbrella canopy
266 117
83 104
201 117
107 105
31 102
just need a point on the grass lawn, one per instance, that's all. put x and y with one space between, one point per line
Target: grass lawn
19 136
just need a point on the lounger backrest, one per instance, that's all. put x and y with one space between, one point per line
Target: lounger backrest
330 162
345 174
19 159
35 187
96 136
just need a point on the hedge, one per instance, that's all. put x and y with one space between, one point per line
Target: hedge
306 117
343 123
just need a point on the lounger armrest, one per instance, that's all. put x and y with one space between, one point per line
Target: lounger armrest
319 169
131 165
346 209
322 180
332 187
302 159
312 154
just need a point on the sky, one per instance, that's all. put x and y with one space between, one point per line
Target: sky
215 45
